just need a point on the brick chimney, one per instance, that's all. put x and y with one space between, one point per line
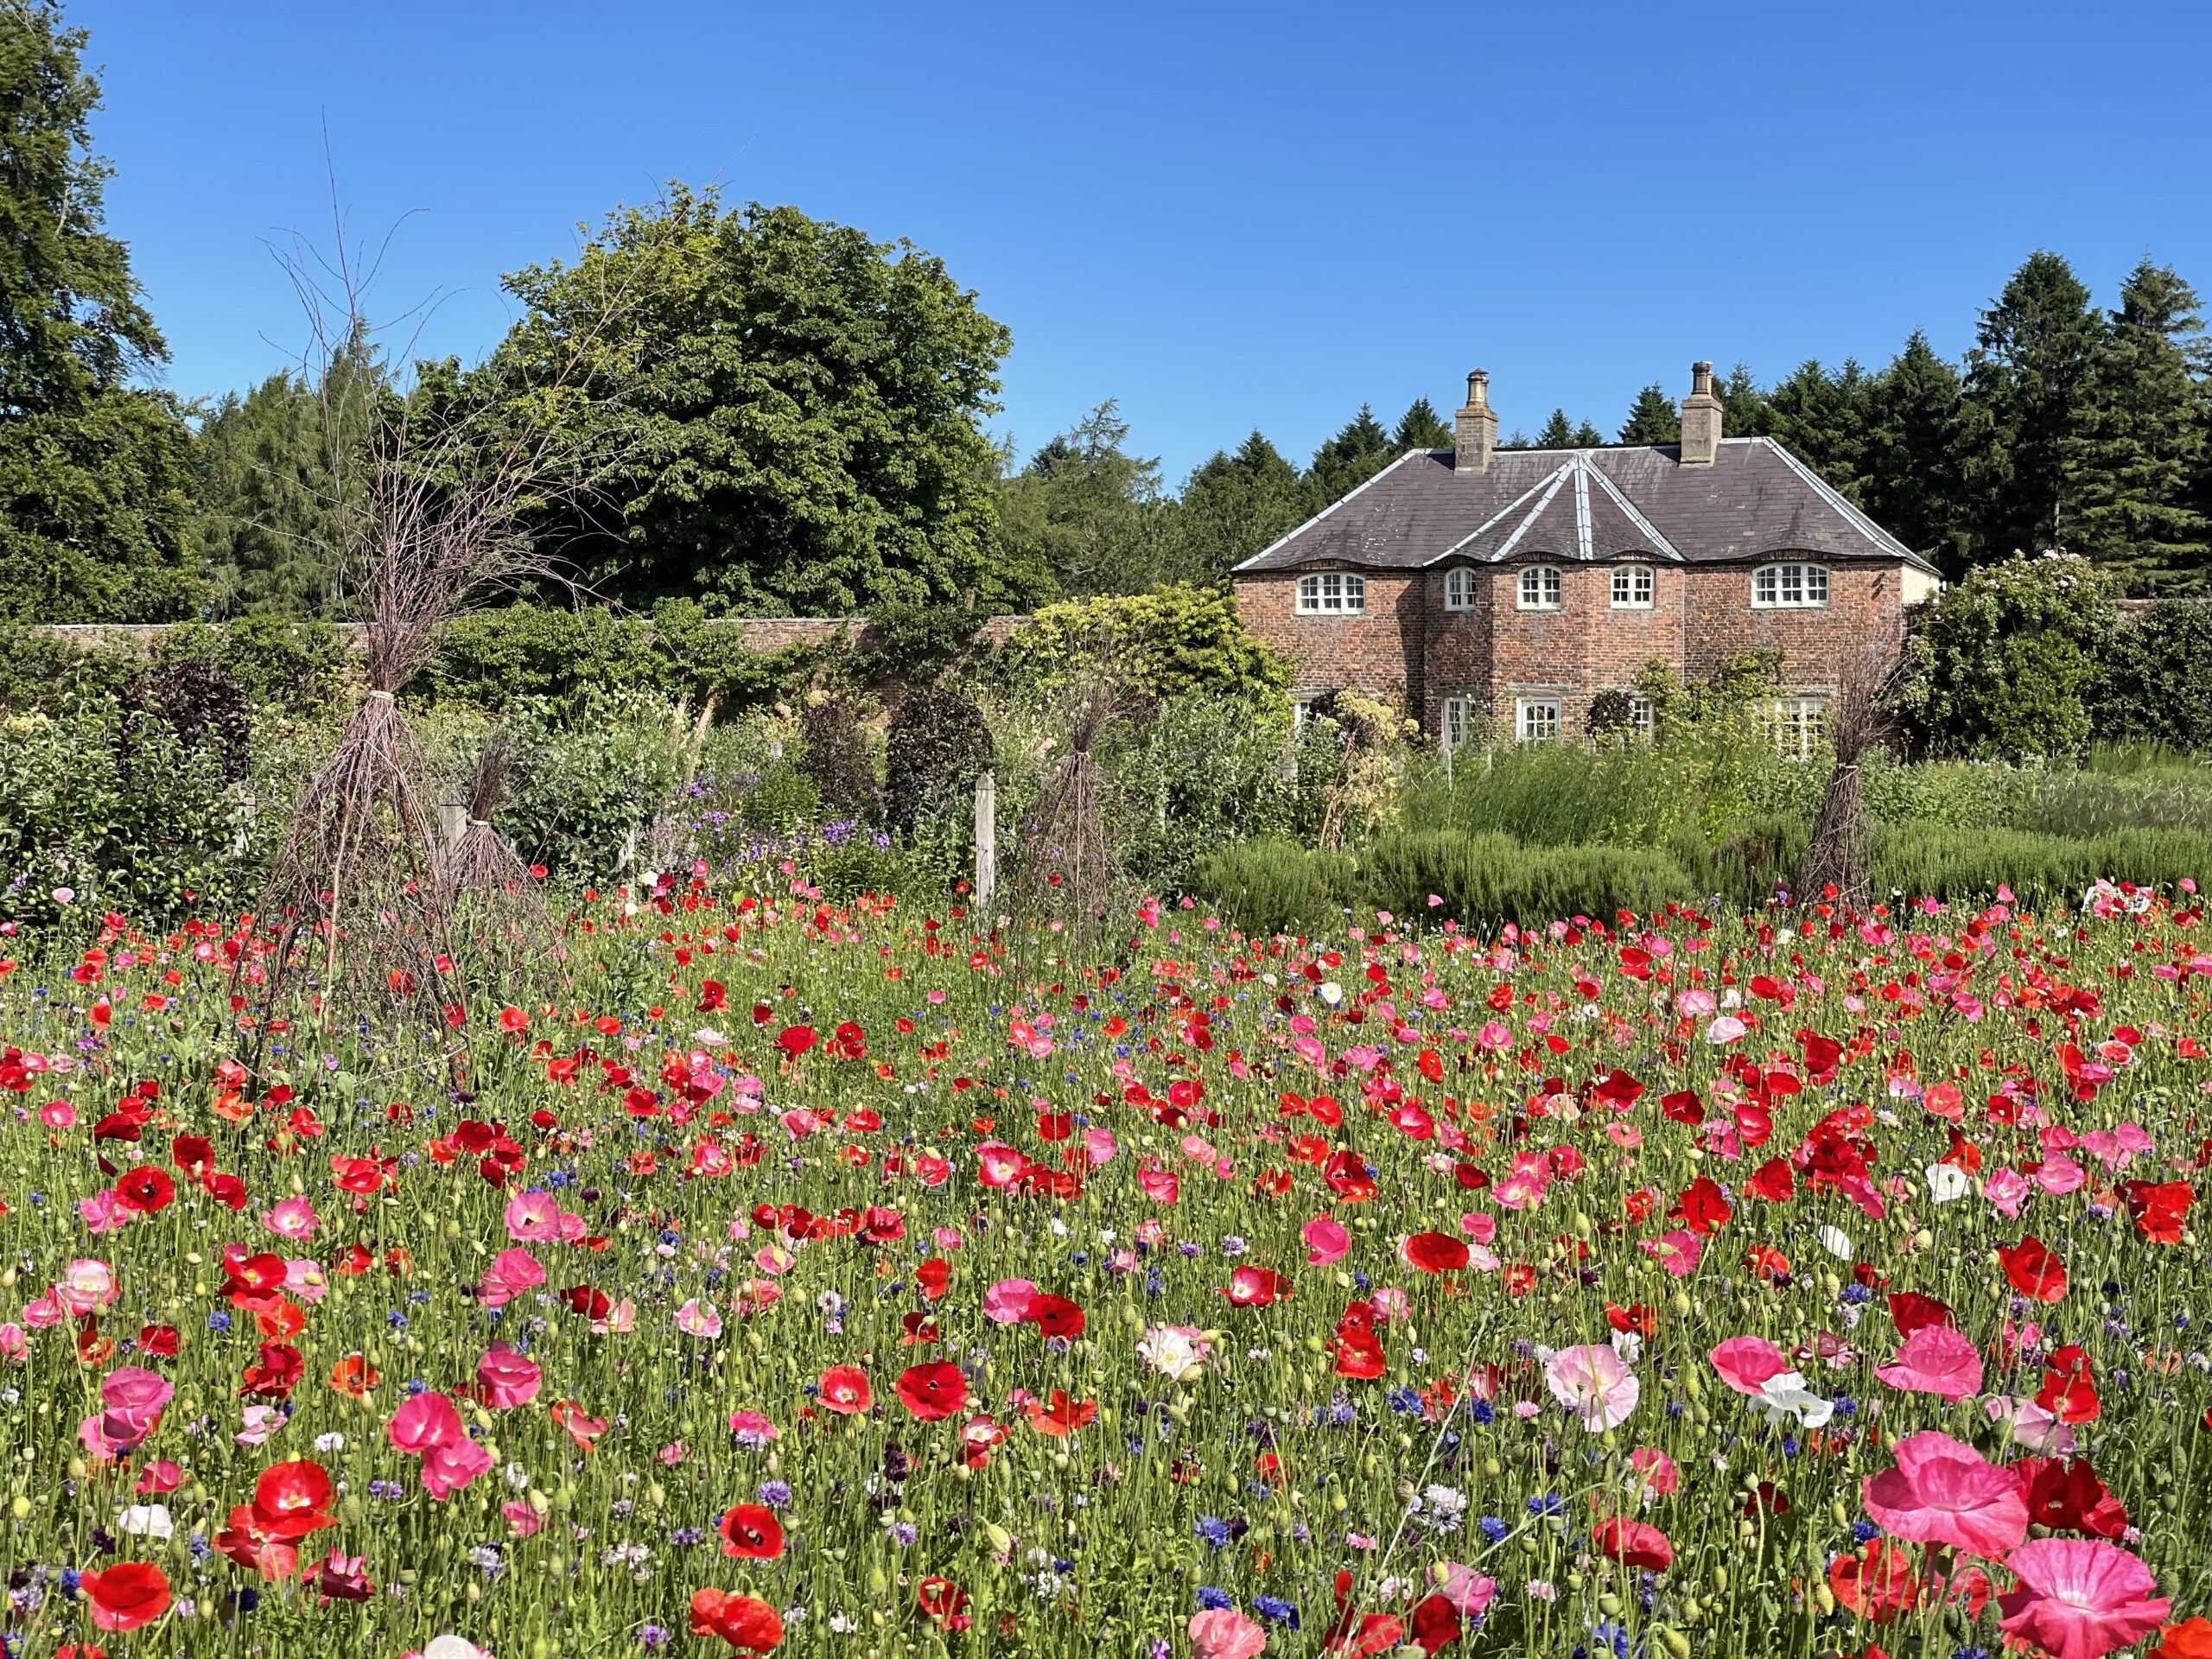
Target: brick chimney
1700 419
1474 429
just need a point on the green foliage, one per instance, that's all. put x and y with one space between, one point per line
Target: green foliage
487 658
96 475
1652 418
1238 503
2040 870
936 747
135 821
1357 452
1274 886
783 414
1201 772
1176 640
906 643
2005 663
588 770
1488 879
46 672
1085 516
2156 679
1421 428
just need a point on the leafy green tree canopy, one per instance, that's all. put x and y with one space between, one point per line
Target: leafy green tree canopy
95 473
781 418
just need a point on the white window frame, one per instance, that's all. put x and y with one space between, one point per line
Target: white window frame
1461 718
1635 586
1540 588
1459 590
1791 587
1536 719
1641 716
1799 725
1333 593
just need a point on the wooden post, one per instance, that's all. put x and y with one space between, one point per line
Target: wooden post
453 822
987 840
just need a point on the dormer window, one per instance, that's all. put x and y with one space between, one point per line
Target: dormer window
1332 595
1789 587
1633 586
1540 589
1460 590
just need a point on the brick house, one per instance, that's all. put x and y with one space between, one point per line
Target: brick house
1475 583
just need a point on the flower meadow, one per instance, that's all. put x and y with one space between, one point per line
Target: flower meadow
786 1276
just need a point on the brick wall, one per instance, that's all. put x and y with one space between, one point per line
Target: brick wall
1380 651
1407 645
763 635
1865 605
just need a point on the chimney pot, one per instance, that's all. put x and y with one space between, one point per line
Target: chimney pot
1474 430
1702 413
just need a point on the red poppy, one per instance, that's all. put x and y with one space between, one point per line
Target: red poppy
353 1375
2033 1270
127 1595
159 1341
2066 1496
145 1190
1357 1635
744 1622
1061 1416
932 1390
1257 1288
945 1603
290 1498
1877 1583
1702 1207
2067 1392
751 1533
2160 1208
1055 1316
795 1041
931 1277
274 1374
1632 1543
1910 1311
845 1390
582 1299
1435 1252
1435 1623
1683 1106
1774 1181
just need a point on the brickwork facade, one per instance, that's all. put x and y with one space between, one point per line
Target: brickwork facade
1410 645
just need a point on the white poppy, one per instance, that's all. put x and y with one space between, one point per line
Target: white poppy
1947 1183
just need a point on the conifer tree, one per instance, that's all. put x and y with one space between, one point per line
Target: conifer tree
1557 433
1236 504
1421 428
2020 431
1652 418
2143 444
1361 449
1913 487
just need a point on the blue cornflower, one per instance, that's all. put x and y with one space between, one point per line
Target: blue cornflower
1614 1636
1210 1597
1546 1503
219 1320
1864 1532
1276 1610
1482 1411
1405 1402
1214 1530
1493 1529
776 1494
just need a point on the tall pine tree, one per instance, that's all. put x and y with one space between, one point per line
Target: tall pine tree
2021 426
1236 504
1913 487
1361 449
1421 428
2143 446
1822 418
1652 418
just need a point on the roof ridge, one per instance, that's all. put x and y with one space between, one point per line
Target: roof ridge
1535 513
1636 517
1496 519
1835 498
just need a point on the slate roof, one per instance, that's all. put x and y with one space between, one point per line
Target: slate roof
1755 501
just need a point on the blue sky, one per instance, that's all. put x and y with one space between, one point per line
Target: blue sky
1224 216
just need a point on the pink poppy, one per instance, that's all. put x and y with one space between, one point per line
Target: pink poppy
1943 1491
1657 1471
533 1215
1678 1251
1595 1384
1007 1301
2033 1428
2079 1598
446 1469
505 1378
512 1273
522 1517
699 1318
294 1218
425 1422
1224 1633
1935 1359
1746 1362
1327 1241
1470 1592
